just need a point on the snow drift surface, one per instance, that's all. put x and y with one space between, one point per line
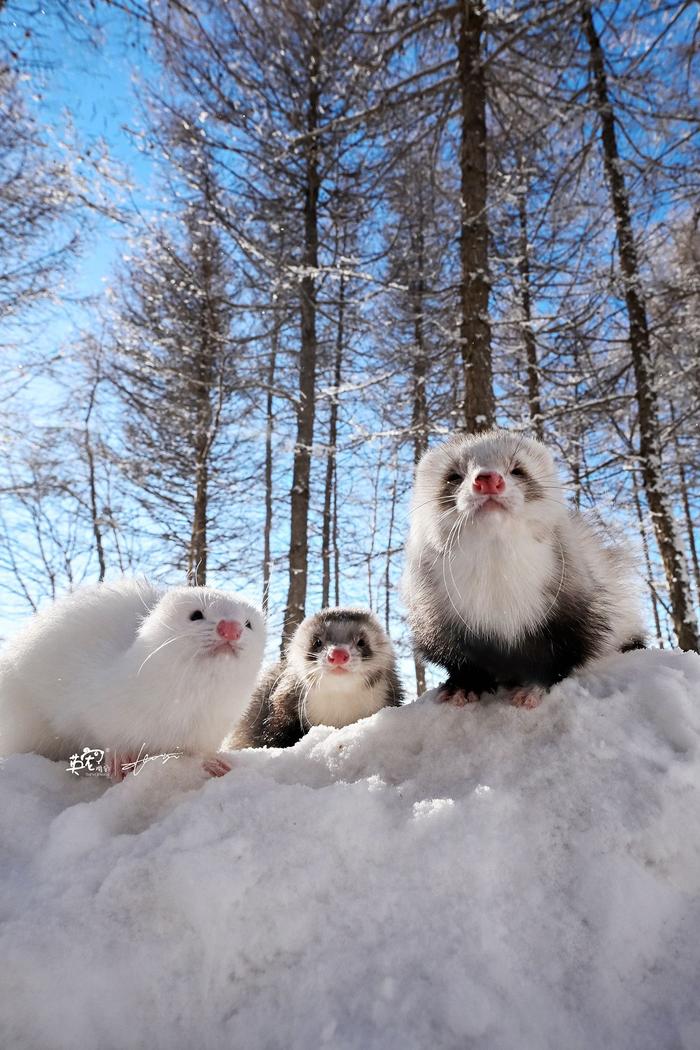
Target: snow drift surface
482 877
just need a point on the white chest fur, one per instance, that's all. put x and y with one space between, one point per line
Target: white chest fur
339 700
500 581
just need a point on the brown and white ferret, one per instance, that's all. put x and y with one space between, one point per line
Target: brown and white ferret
339 667
506 584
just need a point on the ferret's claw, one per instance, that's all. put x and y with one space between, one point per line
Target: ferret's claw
215 766
529 697
458 698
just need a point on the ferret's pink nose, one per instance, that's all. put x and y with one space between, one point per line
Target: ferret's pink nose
489 483
338 656
231 630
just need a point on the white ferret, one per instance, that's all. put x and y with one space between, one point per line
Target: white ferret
129 668
507 585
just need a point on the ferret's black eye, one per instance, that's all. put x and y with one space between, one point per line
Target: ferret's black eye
197 615
316 644
517 471
361 643
454 478
249 625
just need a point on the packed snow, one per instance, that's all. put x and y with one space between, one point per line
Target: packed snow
433 876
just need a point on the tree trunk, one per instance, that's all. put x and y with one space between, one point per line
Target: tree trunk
647 560
685 500
419 421
301 477
197 560
533 375
336 547
389 544
329 527
373 533
578 465
269 428
202 384
655 485
475 330
92 484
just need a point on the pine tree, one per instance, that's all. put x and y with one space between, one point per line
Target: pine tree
173 364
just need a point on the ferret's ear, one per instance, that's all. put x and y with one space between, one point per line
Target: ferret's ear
434 462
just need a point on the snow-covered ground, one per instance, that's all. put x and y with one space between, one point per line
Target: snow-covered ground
432 877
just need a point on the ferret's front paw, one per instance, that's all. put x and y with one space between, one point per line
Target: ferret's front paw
528 697
216 766
456 697
117 761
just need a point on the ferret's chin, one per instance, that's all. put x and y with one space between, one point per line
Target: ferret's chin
222 649
488 510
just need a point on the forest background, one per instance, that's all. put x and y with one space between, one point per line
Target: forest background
255 257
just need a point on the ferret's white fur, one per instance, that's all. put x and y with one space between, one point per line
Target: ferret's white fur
498 569
339 700
119 665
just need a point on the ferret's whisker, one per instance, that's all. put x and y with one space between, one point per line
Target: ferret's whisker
303 704
261 708
561 578
517 449
445 561
448 562
167 641
434 499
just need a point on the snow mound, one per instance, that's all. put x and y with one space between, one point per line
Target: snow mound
483 877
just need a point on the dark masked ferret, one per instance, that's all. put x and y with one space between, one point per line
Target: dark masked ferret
339 667
507 585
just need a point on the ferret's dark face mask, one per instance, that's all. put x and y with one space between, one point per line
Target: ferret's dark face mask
490 483
340 646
